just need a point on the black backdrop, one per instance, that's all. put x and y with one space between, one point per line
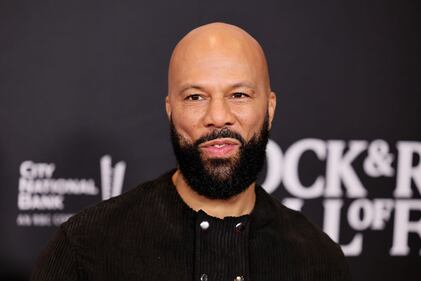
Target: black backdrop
82 87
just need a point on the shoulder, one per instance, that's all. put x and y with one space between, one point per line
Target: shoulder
294 225
304 233
302 239
289 238
117 212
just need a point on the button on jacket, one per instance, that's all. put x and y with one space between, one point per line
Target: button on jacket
150 234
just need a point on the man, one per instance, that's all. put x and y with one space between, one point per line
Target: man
207 220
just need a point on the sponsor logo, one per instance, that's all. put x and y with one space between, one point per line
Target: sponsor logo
39 191
111 177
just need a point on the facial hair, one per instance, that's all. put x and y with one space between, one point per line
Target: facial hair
221 178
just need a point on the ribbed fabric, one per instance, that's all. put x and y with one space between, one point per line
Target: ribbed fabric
149 233
221 250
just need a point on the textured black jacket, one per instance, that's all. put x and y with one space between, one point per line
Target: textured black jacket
150 234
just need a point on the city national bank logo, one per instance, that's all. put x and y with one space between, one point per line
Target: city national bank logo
40 192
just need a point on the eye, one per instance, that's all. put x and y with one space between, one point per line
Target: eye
194 97
239 95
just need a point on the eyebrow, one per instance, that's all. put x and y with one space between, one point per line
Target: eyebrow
190 86
243 84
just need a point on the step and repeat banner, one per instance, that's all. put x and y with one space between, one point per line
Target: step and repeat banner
82 88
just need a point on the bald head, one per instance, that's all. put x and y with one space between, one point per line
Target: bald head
215 43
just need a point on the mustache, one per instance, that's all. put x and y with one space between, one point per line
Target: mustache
221 133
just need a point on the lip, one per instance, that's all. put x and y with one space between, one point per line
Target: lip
221 141
220 148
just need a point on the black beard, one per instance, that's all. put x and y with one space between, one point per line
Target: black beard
221 178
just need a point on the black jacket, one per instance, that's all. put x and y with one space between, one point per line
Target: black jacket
150 234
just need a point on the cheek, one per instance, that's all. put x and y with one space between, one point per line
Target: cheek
186 122
250 121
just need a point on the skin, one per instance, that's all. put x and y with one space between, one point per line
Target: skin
218 77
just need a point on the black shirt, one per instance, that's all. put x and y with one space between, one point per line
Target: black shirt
149 233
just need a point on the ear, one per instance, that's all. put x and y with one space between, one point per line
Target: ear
168 107
271 107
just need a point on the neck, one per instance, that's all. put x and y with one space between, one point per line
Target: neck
238 205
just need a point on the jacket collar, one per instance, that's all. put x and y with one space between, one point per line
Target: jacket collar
263 213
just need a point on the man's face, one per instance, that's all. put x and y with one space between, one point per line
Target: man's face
216 92
216 89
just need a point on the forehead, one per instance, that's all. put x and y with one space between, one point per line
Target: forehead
218 53
223 63
216 67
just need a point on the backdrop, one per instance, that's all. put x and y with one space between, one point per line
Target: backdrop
82 87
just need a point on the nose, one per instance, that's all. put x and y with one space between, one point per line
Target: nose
218 114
